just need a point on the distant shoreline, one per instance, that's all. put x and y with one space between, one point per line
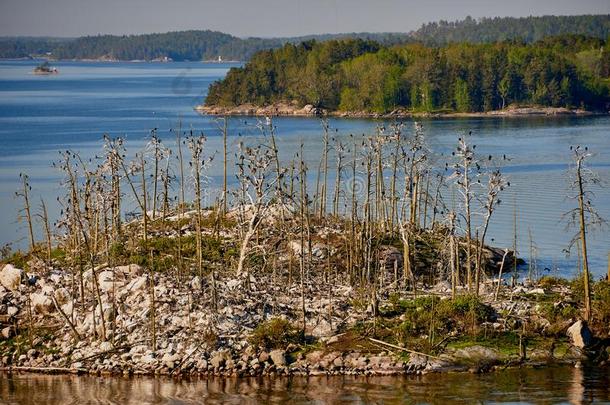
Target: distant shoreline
120 60
291 110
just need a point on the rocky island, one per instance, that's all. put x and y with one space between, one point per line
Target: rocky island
351 278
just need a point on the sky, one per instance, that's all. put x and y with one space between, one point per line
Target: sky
264 18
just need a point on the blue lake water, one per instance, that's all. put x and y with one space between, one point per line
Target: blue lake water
41 115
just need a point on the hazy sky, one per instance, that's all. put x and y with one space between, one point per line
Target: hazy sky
260 17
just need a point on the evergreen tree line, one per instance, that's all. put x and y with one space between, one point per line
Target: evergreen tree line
359 75
199 45
529 29
179 46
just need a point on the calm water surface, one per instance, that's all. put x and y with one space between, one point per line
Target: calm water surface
40 115
553 385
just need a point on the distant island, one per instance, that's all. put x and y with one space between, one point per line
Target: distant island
555 75
200 45
45 69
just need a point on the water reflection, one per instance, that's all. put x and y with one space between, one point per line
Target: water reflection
545 386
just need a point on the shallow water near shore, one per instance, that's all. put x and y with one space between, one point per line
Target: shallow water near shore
552 385
41 115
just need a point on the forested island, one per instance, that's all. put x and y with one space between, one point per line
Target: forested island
356 76
197 45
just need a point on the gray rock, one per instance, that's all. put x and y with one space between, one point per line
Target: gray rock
196 283
580 335
219 359
105 346
170 360
278 357
263 357
477 353
10 277
62 296
41 303
8 332
417 362
137 284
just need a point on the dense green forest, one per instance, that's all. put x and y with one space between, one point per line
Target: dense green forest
204 45
528 29
358 75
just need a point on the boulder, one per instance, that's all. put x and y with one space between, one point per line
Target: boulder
62 296
170 360
417 362
263 357
219 359
41 303
107 280
137 284
131 270
10 277
580 335
278 357
478 353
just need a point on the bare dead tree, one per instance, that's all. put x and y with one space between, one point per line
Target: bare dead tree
465 180
254 174
24 193
198 163
495 185
585 216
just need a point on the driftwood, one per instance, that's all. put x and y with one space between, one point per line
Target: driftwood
113 350
185 358
403 349
74 331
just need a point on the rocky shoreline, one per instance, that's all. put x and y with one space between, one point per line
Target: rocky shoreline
291 109
193 341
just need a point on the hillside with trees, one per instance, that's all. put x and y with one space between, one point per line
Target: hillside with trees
528 29
358 75
178 46
204 45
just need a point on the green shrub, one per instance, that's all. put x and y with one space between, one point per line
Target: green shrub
465 306
601 302
425 314
276 333
551 281
557 312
